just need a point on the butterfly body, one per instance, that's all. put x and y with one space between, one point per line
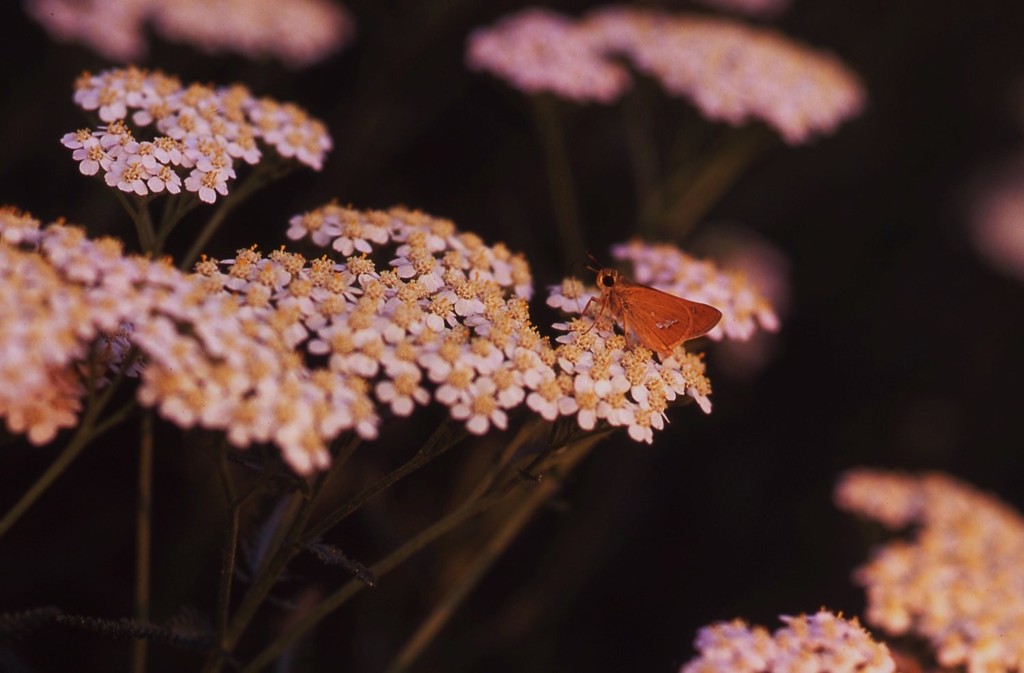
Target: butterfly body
660 321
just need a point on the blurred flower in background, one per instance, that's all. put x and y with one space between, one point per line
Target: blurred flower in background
297 32
956 580
732 72
758 262
996 219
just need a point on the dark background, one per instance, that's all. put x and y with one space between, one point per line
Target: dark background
901 348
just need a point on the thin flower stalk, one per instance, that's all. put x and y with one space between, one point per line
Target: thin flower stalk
143 536
512 522
467 511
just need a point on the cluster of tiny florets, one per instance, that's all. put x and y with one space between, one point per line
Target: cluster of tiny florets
214 351
819 643
298 32
46 324
732 72
457 310
278 348
957 581
196 134
613 378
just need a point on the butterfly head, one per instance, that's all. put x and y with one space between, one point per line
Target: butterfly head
606 279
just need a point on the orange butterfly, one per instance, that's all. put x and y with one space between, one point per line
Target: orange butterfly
659 320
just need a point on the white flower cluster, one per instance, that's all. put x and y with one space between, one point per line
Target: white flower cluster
212 357
818 643
457 308
201 132
956 580
298 32
282 349
732 72
619 381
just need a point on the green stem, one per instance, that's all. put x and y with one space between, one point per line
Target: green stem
521 514
381 568
447 435
560 182
691 197
139 212
642 150
175 208
262 175
278 557
229 549
143 537
466 512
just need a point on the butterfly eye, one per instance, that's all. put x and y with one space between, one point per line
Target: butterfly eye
608 280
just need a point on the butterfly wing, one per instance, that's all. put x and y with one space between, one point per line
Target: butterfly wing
661 321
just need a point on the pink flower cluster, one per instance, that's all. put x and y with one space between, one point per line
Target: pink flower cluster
298 32
201 132
732 72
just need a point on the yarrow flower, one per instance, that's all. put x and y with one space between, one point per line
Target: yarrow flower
199 133
732 72
617 380
456 308
213 355
957 581
280 349
298 32
822 642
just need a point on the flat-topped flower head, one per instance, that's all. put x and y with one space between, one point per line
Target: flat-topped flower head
732 72
219 350
447 303
431 308
818 643
735 73
160 135
956 581
298 32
